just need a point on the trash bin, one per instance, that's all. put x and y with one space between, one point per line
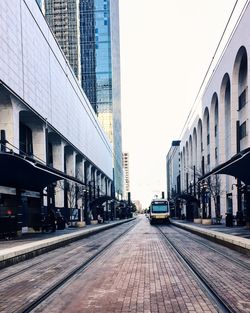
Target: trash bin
229 220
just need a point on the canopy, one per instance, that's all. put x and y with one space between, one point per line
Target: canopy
188 197
238 166
26 173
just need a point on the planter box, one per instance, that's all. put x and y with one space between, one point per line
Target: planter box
94 222
197 220
80 224
207 221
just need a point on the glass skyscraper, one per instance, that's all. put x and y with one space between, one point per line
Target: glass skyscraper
98 22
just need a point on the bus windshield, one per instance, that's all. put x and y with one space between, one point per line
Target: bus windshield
159 208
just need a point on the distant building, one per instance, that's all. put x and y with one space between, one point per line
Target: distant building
173 170
138 205
125 164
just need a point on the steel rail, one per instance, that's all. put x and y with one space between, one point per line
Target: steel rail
76 243
242 264
221 304
79 269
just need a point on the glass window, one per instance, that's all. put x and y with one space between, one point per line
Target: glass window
159 208
243 130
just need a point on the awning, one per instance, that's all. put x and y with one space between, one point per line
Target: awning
187 197
100 200
238 166
26 173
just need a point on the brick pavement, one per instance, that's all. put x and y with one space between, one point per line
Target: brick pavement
228 278
24 282
139 274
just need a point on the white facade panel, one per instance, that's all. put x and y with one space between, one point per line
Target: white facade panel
33 66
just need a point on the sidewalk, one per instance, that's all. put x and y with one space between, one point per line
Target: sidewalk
30 245
236 237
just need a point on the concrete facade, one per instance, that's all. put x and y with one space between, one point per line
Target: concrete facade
44 113
211 138
33 66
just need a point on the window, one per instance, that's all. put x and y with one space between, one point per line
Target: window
215 131
208 139
208 159
243 99
243 130
25 144
216 153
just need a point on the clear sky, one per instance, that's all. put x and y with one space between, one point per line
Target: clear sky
166 47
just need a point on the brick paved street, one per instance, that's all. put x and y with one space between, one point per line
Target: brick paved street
28 280
138 274
229 279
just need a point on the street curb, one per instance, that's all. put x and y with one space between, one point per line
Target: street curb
237 243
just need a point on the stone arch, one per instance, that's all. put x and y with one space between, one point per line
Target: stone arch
195 146
240 98
214 136
199 145
225 99
206 138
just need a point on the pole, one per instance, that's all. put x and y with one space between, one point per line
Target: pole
3 141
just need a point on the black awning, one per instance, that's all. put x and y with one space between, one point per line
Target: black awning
25 173
100 200
238 166
187 197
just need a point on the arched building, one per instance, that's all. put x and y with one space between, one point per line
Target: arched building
215 147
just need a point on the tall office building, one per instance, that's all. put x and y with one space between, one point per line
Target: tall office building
125 164
63 18
96 24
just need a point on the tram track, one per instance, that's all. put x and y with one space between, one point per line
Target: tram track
73 247
223 276
36 281
76 271
238 262
222 305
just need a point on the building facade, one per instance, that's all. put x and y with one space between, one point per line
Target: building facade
173 170
214 148
54 152
125 164
96 24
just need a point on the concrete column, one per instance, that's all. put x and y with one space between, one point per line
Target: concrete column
109 187
58 156
9 119
221 133
88 173
99 183
39 142
234 114
95 183
71 163
103 185
58 163
80 176
80 169
212 140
